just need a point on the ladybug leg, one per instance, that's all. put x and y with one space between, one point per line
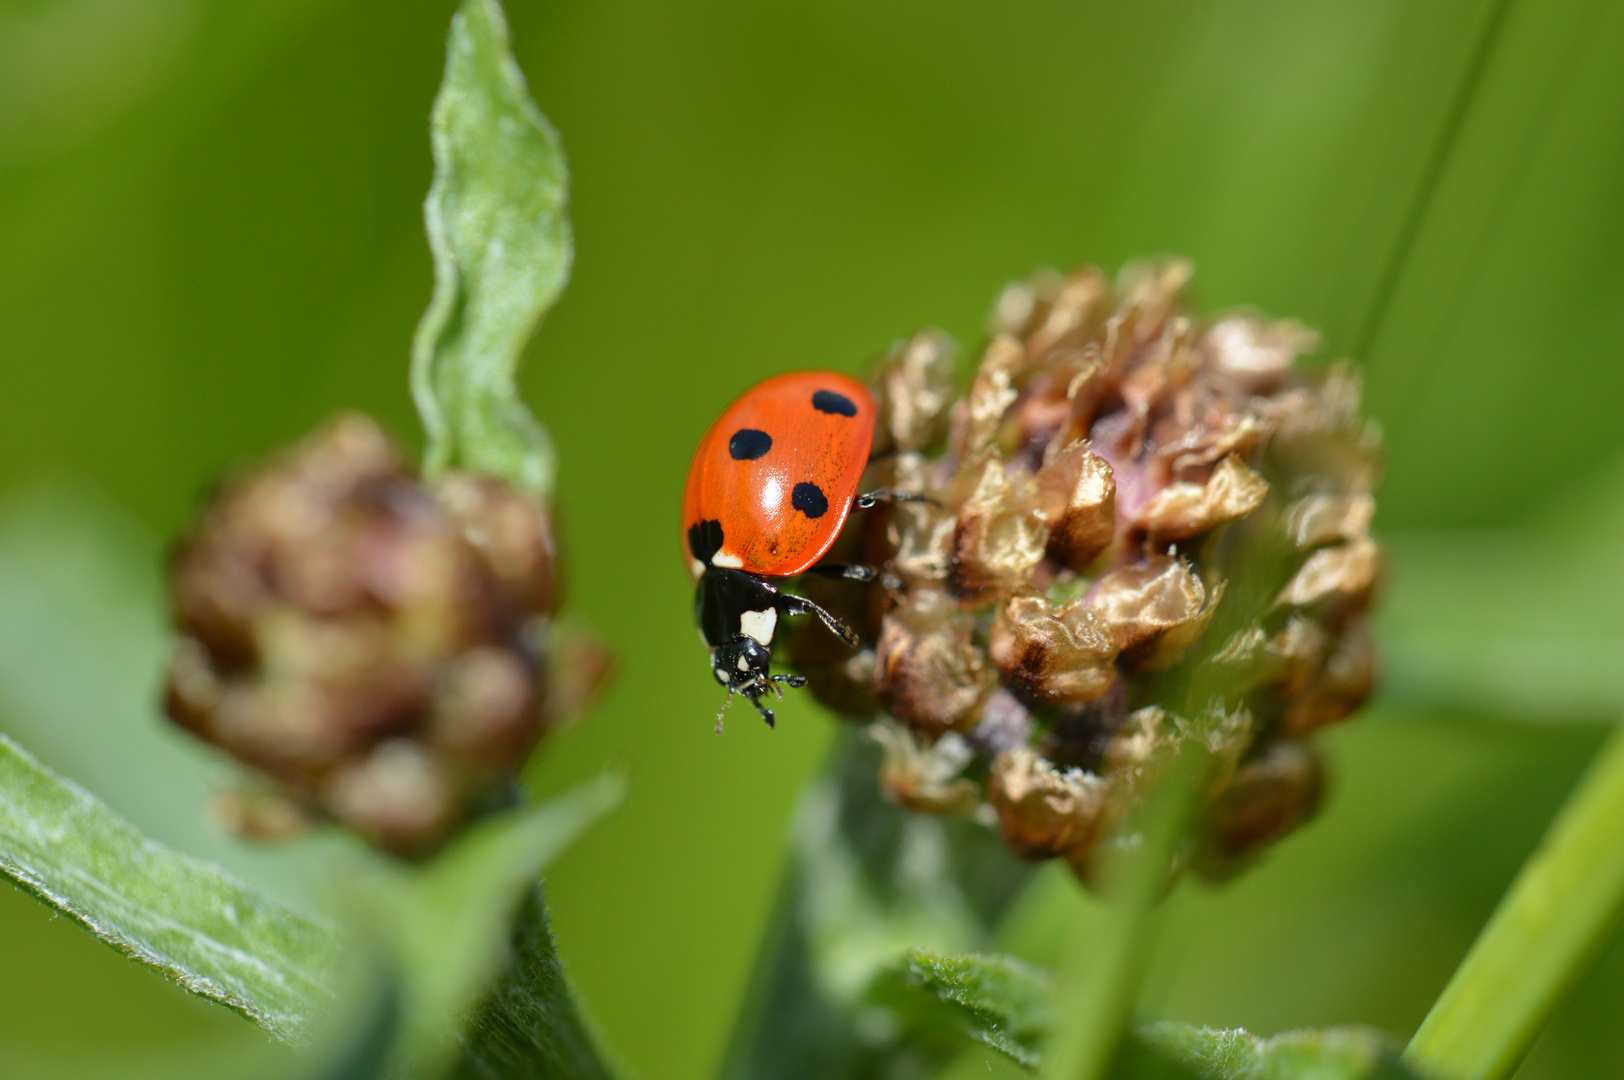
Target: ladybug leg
766 713
845 571
800 605
870 499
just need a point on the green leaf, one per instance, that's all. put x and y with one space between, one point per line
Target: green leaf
451 922
998 1001
185 918
529 1026
865 881
1006 1004
1342 1053
501 241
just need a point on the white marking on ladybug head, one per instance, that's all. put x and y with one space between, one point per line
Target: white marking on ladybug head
716 669
759 625
744 664
727 559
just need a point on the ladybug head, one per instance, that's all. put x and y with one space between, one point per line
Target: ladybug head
744 666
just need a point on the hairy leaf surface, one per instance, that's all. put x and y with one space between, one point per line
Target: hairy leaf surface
185 918
501 240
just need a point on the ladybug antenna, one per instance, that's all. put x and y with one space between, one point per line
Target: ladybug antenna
719 713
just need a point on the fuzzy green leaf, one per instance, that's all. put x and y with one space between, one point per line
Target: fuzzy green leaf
529 1026
454 920
1343 1053
501 240
185 918
998 1001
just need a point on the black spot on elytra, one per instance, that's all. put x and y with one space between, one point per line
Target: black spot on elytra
747 444
809 499
830 402
705 540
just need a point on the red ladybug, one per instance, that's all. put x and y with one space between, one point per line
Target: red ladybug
769 489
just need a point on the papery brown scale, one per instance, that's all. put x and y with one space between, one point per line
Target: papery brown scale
1189 448
929 671
1320 519
1044 811
1254 353
1053 655
978 414
1335 580
1077 493
1343 682
1182 510
999 533
1155 609
913 388
925 777
1068 315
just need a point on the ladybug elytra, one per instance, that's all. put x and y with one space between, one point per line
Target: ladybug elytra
769 490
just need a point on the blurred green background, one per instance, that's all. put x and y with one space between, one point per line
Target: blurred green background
210 240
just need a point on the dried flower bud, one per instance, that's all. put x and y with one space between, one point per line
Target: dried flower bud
1116 474
378 648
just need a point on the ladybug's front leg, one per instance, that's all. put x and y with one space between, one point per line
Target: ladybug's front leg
790 604
870 499
845 571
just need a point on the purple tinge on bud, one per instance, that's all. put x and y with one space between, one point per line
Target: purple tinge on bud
380 648
1112 462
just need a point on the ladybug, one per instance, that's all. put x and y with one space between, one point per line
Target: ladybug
770 487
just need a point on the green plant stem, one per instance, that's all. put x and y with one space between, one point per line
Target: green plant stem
1541 938
1107 965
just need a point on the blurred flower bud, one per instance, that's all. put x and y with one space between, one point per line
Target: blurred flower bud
1269 796
379 648
925 777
